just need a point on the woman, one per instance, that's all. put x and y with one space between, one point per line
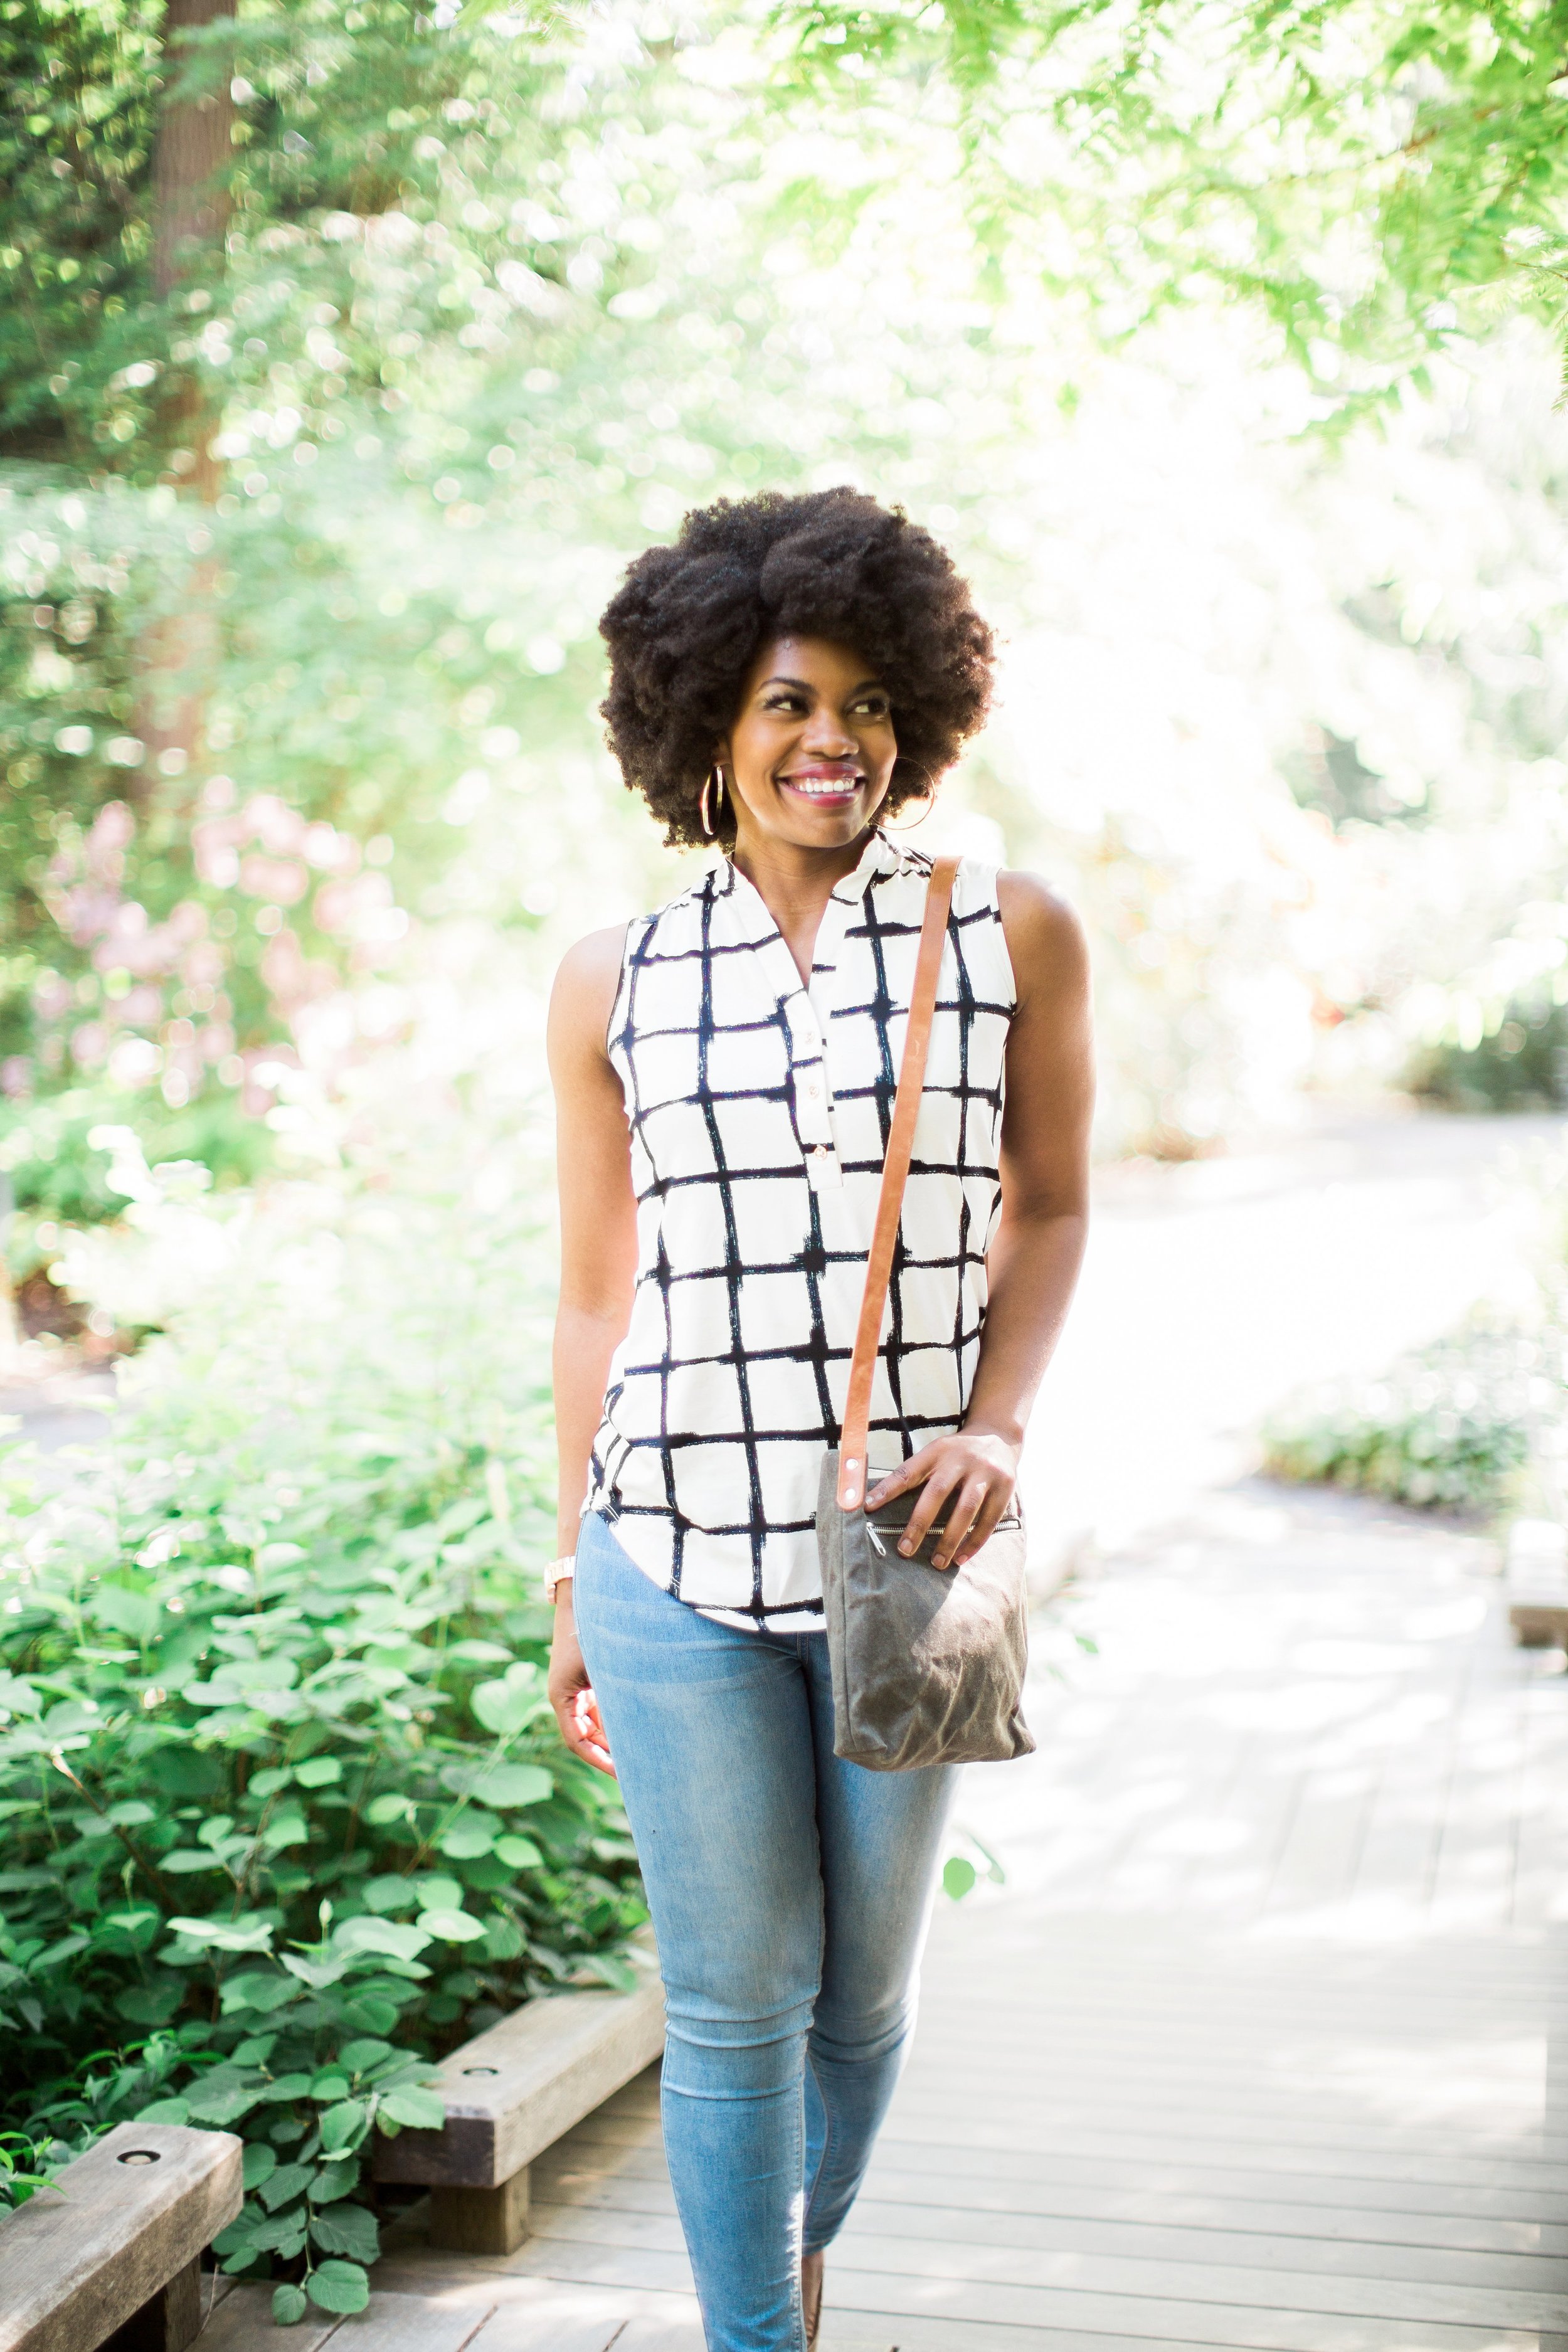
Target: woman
784 679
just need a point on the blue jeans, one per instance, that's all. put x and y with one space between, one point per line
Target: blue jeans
790 1896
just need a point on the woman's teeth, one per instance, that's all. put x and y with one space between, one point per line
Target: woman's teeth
822 787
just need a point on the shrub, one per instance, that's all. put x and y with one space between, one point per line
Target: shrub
283 1811
1522 1064
1450 1427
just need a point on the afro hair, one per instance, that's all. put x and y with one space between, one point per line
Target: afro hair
689 620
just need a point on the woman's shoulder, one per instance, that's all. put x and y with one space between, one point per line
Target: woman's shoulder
1045 938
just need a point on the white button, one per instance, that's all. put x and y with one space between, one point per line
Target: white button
813 1089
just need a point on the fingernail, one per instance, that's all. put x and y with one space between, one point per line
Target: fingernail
906 1547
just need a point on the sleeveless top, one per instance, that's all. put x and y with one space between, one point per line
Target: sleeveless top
759 1112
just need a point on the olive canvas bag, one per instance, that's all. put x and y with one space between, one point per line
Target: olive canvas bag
928 1664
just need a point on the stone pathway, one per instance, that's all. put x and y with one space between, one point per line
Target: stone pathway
1261 2045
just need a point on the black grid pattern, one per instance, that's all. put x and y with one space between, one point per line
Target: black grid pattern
759 1115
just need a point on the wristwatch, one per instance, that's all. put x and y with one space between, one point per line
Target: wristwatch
558 1572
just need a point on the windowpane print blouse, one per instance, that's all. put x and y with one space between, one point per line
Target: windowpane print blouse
759 1112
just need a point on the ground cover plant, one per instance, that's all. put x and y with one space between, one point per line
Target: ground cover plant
1472 1424
283 1813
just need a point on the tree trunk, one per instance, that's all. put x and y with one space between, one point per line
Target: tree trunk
190 215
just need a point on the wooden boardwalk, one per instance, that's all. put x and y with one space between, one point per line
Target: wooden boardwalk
1263 2045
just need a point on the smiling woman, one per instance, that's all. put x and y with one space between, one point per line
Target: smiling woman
690 620
725 1071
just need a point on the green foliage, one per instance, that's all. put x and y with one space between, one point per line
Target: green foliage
283 1810
24 2169
1522 1064
961 1873
1449 1428
1370 175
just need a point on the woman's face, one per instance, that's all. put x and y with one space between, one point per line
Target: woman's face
809 757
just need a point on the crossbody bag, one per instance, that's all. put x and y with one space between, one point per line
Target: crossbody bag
928 1664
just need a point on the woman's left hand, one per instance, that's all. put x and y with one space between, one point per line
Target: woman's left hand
978 1471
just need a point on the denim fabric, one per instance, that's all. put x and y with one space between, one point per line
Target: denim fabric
790 1895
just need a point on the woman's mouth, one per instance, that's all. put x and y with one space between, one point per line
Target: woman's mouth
824 787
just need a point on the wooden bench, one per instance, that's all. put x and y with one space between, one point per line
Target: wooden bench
111 2254
510 2093
1540 1625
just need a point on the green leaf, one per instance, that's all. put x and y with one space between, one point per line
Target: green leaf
504 1938
288 1828
418 2110
370 2009
224 2106
281 2188
357 2055
344 2127
331 2082
619 1974
440 1891
510 1786
958 1876
256 1990
149 2004
338 2286
283 2234
136 1614
389 1892
164 2111
383 1810
317 1974
519 1853
345 2229
469 1838
451 1926
333 2181
319 1772
290 2305
224 1935
288 2087
17 1697
505 1707
257 2165
370 1934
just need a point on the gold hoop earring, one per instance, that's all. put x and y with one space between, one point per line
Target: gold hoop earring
703 812
927 805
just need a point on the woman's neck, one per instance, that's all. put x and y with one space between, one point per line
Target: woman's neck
794 884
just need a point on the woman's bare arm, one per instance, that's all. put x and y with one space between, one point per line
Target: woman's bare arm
1038 1247
598 1271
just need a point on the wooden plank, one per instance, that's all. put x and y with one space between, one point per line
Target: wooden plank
988 2158
1212 2248
515 2089
1291 2120
518 2328
921 2254
243 2322
1483 2090
1162 2321
410 2323
1160 2143
82 2258
1335 2235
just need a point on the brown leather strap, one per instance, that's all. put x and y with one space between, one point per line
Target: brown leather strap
852 1444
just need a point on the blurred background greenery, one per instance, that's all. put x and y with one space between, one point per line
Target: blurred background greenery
347 352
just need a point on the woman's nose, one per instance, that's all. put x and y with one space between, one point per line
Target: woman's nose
829 736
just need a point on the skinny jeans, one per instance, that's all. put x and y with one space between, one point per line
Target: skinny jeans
790 1894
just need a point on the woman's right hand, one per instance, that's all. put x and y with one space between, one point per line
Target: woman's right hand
571 1692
